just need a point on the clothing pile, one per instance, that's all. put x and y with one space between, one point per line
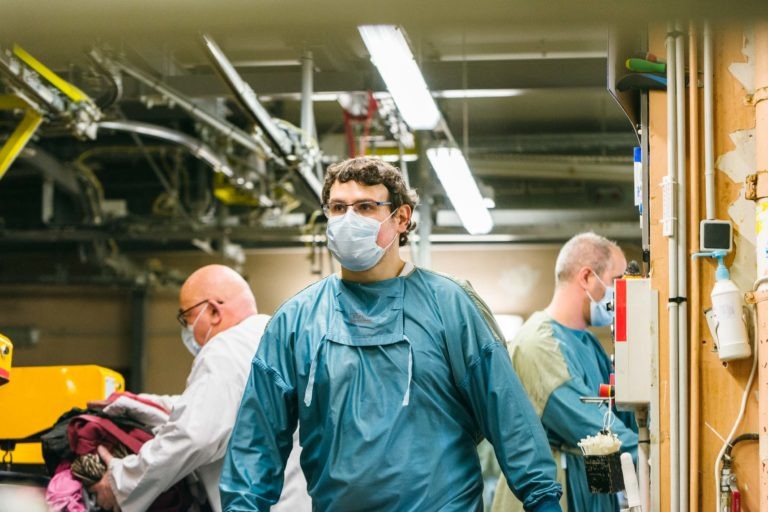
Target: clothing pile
70 451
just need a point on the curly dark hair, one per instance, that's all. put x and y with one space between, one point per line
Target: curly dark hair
374 171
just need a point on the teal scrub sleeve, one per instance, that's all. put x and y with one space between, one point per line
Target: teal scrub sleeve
508 421
547 506
262 438
504 413
572 420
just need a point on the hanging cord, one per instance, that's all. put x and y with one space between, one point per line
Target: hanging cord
173 193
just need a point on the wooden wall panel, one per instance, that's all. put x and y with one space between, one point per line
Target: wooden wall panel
721 386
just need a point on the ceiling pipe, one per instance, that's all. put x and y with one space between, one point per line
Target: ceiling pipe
249 102
195 146
229 130
307 116
308 127
247 99
165 234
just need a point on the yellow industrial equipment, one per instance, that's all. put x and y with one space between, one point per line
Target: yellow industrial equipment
6 357
34 398
41 95
23 132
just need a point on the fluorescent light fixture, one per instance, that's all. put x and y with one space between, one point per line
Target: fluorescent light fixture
392 56
478 93
457 180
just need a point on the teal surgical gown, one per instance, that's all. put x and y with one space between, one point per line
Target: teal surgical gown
558 365
392 384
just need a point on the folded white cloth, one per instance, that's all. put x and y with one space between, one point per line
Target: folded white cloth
143 411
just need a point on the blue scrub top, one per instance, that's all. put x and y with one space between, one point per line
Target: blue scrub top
393 384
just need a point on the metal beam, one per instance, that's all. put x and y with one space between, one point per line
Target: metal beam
560 168
570 143
158 237
546 233
522 74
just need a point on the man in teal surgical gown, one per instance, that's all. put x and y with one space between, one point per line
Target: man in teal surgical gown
393 374
558 360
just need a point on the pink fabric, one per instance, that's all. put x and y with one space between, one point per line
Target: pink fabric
64 492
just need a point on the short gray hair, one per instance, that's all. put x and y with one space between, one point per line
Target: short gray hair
583 250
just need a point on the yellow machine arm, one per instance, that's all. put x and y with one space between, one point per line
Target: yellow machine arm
41 93
21 134
69 90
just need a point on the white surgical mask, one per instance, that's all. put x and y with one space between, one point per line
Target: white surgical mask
601 312
188 335
352 240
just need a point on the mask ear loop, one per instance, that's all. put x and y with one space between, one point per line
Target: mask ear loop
605 287
397 235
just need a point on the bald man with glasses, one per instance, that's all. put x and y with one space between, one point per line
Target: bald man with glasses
221 327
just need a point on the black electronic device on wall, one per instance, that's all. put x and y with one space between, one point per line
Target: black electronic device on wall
715 235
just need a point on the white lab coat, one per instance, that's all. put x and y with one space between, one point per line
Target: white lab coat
196 434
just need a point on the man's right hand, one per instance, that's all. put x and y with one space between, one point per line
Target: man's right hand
105 498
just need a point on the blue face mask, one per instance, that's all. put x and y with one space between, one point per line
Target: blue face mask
601 312
352 240
188 335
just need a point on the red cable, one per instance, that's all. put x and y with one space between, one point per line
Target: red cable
372 107
366 119
348 132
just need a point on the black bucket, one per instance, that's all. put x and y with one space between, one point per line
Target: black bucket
604 473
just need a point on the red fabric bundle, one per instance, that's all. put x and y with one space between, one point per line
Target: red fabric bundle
86 432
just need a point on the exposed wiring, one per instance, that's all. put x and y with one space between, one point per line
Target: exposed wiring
153 165
750 436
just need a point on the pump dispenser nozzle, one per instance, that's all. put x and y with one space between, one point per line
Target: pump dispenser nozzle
722 271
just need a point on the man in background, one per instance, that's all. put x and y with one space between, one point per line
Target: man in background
558 360
221 327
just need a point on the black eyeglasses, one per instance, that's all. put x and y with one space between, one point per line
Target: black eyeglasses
182 316
366 208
